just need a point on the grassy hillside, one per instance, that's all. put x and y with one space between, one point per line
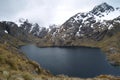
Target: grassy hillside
14 65
111 46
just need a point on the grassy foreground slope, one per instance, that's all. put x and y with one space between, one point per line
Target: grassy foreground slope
14 65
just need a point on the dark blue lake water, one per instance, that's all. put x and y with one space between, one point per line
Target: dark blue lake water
72 61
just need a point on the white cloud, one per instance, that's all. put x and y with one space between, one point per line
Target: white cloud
46 12
51 12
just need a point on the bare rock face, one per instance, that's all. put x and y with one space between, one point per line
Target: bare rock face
9 27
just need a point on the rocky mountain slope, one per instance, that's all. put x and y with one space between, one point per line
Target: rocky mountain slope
94 25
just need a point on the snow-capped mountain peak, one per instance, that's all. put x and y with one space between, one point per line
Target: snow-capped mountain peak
101 9
99 13
99 19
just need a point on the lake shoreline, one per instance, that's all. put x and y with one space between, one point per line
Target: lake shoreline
65 46
62 47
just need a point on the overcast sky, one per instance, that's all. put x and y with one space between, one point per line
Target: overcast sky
47 12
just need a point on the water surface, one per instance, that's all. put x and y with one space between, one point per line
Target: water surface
71 61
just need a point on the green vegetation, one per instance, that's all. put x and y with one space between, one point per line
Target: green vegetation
111 46
14 65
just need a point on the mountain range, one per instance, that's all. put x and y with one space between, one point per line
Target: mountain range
95 28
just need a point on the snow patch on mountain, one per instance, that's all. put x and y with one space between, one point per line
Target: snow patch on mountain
111 15
6 31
